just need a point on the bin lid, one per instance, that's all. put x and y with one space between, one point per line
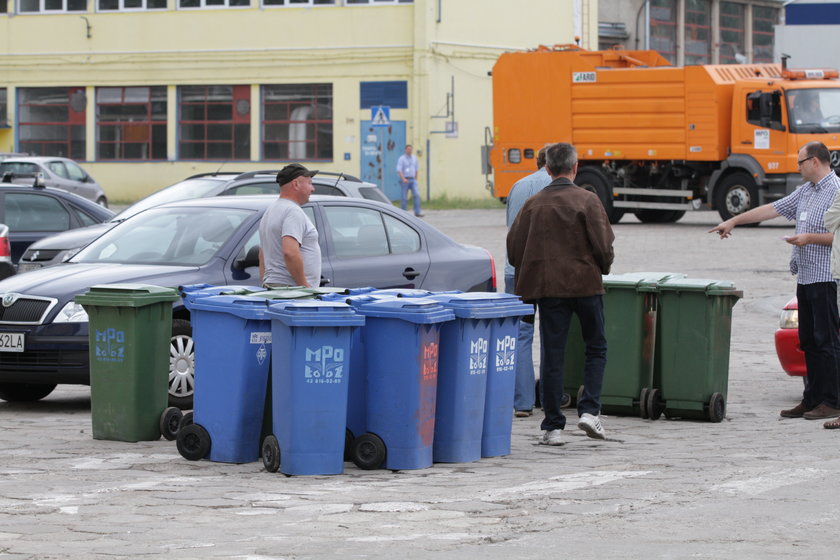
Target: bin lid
240 305
314 313
421 311
126 295
709 287
475 305
401 292
191 292
641 281
283 293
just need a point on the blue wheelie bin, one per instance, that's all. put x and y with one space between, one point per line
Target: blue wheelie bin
190 292
401 339
309 379
501 375
462 376
233 348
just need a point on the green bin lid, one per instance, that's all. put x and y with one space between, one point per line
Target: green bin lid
284 293
126 295
641 281
708 287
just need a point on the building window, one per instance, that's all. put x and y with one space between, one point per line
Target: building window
214 3
51 121
733 49
131 123
4 6
355 2
130 5
663 28
297 122
296 3
393 94
214 122
51 6
764 19
698 32
4 99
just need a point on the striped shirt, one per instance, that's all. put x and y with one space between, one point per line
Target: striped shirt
807 205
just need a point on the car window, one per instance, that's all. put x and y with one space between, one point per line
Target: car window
356 232
58 168
327 189
404 239
75 172
373 193
167 236
21 168
84 218
254 188
35 212
186 189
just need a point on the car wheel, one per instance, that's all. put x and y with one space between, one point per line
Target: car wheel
24 392
102 201
181 365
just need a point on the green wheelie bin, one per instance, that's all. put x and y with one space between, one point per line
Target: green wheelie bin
129 332
691 370
630 317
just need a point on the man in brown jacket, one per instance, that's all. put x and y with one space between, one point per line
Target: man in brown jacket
561 244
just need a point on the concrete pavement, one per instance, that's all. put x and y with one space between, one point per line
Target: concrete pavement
753 486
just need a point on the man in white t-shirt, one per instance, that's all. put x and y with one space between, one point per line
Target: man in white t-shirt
289 250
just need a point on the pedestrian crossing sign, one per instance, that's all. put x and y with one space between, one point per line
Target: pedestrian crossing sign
380 115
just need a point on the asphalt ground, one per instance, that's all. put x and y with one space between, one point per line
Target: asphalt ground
752 486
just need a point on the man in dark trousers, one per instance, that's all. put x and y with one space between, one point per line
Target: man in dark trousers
560 244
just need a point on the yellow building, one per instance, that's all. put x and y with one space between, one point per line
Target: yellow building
147 92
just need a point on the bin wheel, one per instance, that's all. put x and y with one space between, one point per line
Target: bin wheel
348 444
186 420
566 401
369 451
170 422
643 396
193 442
655 405
717 408
271 453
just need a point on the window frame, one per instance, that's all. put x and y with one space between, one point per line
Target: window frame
224 5
238 94
43 10
122 8
149 123
300 3
318 91
74 121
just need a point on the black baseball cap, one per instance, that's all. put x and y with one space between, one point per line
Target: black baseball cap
292 172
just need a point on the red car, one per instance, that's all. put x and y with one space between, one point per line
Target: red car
790 354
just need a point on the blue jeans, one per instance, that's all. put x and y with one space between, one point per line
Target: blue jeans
523 396
411 185
555 317
819 340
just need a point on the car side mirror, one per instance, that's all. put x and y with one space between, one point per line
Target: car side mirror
251 258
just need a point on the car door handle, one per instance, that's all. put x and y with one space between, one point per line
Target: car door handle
410 273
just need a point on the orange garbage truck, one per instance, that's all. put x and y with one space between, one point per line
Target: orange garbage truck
658 140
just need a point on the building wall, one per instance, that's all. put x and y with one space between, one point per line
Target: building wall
807 25
431 44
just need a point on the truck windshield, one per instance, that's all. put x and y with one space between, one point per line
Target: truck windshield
814 111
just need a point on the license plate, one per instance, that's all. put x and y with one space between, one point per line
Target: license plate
11 342
26 267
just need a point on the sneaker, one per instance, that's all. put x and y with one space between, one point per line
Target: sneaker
592 426
420 215
552 437
522 413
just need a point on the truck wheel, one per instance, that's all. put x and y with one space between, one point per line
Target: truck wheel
659 216
736 194
595 180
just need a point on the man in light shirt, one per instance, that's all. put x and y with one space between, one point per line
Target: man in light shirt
407 168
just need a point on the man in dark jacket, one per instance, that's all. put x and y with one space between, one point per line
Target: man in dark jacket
560 244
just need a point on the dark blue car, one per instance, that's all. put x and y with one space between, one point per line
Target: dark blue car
44 333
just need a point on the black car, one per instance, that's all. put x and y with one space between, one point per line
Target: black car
44 333
33 213
56 248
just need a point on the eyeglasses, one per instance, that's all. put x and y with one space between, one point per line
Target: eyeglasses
801 161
